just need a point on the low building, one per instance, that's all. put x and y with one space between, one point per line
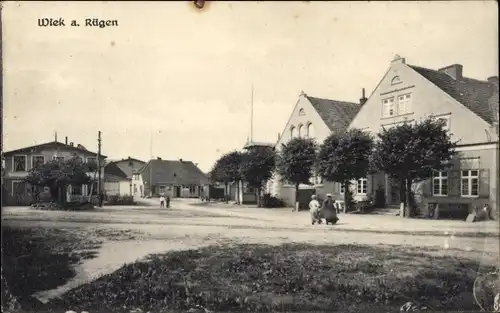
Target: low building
19 162
176 179
118 176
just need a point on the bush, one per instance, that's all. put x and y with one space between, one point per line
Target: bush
269 201
120 200
349 200
364 206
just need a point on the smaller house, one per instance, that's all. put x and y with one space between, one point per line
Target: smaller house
118 176
173 178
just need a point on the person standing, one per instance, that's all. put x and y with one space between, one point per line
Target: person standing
162 201
314 209
329 210
168 202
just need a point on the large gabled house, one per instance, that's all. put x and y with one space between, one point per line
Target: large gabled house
19 162
118 176
315 118
469 108
173 178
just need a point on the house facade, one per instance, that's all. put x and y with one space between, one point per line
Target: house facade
469 108
19 162
118 177
315 118
173 178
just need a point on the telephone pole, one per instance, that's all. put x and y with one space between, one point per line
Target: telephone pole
99 187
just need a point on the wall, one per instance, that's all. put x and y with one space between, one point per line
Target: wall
121 188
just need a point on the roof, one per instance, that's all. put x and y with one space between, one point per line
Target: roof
472 93
252 144
125 166
112 171
52 145
173 172
337 115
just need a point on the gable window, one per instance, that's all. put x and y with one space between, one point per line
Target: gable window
396 80
37 160
470 183
440 184
310 130
20 163
388 107
301 131
301 112
362 186
404 104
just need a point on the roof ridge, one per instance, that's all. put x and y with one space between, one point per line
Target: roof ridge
338 101
438 71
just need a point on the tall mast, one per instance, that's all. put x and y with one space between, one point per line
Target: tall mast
251 117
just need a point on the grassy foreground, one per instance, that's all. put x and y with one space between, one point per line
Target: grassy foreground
258 278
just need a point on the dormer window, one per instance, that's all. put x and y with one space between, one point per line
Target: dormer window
396 80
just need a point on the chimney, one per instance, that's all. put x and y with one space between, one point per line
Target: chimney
454 71
363 98
158 158
66 140
398 59
71 144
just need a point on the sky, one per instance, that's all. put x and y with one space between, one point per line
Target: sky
181 78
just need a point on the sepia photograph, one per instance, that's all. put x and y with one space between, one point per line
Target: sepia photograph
250 156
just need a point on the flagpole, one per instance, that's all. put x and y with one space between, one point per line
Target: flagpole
151 163
251 117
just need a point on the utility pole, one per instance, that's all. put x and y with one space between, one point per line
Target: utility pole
151 163
99 182
251 117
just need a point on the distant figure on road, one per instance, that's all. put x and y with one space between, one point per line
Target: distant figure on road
329 211
101 199
162 201
168 201
314 209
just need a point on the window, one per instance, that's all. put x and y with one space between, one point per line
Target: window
162 190
362 186
92 160
440 184
192 189
37 160
388 107
310 130
404 104
58 158
342 189
470 183
301 131
301 112
293 132
446 122
396 80
77 190
19 163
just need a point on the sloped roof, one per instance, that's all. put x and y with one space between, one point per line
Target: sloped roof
173 172
472 93
337 115
124 165
112 171
52 145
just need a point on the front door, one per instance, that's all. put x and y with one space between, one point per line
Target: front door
177 191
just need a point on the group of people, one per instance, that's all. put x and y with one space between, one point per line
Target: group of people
164 201
326 210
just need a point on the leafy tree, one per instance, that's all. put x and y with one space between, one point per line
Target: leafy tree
257 167
296 162
57 175
412 152
345 157
227 169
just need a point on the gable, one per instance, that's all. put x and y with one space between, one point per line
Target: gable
173 172
129 166
413 97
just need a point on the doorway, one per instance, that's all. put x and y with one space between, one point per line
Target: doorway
177 190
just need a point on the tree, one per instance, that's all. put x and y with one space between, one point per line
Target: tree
412 152
227 169
257 167
296 162
345 157
58 175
